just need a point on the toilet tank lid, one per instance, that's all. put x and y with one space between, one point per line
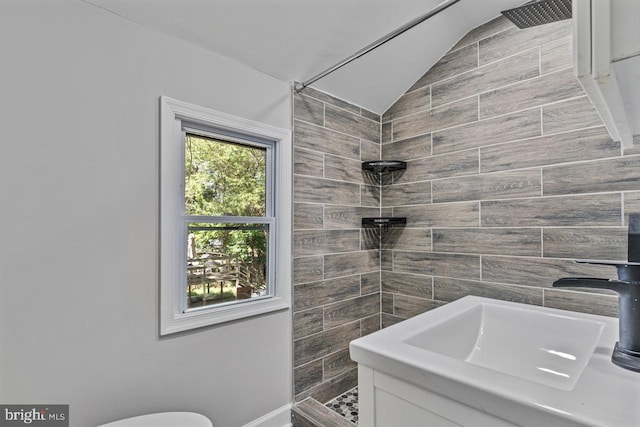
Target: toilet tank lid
164 419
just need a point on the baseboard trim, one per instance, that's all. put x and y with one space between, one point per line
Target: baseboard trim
280 417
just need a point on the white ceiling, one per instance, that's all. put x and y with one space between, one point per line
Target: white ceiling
293 40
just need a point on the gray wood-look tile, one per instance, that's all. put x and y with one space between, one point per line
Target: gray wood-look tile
463 214
308 109
456 113
389 319
369 238
407 306
577 113
307 376
447 289
336 216
343 169
516 68
411 148
636 147
618 174
317 242
307 215
307 322
415 193
386 260
369 196
516 40
349 310
306 135
631 204
319 190
587 144
330 195
446 165
308 269
337 265
337 364
370 324
451 64
483 31
586 243
323 292
328 390
495 241
538 91
370 115
557 54
324 343
602 305
416 285
633 150
591 210
440 264
406 239
370 150
540 272
351 124
503 185
387 303
308 162
369 283
409 103
330 99
511 127
387 132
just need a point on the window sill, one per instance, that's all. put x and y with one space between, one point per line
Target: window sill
213 316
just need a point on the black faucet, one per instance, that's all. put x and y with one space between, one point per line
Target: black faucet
626 353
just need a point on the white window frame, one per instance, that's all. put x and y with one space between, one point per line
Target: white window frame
174 116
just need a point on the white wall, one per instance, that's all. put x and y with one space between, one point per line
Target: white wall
79 178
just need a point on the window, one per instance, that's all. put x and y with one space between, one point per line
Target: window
224 217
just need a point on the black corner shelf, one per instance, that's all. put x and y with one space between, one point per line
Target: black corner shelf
384 166
384 222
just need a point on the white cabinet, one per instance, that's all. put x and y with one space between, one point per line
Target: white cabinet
385 401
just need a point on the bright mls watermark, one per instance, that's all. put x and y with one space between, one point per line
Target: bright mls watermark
34 415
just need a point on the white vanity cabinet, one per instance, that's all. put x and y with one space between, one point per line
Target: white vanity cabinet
385 401
478 362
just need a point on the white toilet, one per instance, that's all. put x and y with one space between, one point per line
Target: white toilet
164 419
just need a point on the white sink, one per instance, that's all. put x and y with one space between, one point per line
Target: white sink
516 340
528 365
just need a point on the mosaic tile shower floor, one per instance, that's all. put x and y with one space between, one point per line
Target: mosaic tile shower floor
346 405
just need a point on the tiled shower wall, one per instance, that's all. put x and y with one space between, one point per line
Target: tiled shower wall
510 176
336 295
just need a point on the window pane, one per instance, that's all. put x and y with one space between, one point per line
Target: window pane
226 262
224 178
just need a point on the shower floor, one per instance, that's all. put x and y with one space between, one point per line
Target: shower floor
346 405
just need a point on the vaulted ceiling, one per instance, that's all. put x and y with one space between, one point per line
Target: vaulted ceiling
293 40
